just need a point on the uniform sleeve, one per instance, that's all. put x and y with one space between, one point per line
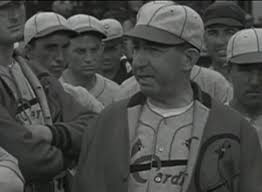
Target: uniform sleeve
70 119
84 97
251 158
38 160
11 179
9 182
10 162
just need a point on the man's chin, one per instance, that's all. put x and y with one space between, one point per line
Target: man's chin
87 74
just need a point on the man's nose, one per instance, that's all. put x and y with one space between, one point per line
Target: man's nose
88 58
60 56
222 39
140 59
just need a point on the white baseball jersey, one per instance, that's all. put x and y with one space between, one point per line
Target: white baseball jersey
160 149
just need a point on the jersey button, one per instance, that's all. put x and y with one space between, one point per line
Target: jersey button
158 179
161 149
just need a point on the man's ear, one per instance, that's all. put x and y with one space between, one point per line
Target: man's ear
192 56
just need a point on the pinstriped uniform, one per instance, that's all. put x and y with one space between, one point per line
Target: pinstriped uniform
159 150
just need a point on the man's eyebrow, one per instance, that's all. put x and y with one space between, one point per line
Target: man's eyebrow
79 49
51 45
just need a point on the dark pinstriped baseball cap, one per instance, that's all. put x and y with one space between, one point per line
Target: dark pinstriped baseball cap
245 47
225 13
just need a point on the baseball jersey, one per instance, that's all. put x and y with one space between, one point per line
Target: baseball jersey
105 90
29 111
160 148
84 97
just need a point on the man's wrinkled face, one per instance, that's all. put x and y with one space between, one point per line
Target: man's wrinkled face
111 58
247 83
49 52
216 40
85 55
157 68
12 19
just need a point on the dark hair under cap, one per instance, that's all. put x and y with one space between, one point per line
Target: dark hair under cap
226 13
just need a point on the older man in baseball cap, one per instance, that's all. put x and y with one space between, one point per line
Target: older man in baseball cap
244 57
210 81
171 136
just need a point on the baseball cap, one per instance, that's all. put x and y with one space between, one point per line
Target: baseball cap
113 29
245 47
43 24
85 23
3 3
226 13
168 23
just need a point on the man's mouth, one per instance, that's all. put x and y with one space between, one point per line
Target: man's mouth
88 68
144 76
14 27
107 65
253 93
221 52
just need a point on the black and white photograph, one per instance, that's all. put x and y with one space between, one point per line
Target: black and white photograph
130 96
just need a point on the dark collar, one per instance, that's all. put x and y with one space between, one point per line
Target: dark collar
202 97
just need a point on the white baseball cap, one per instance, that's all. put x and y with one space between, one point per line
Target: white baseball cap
113 29
245 47
168 23
85 23
45 23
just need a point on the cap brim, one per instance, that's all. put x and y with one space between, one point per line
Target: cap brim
4 2
113 38
153 34
247 58
224 21
51 30
89 29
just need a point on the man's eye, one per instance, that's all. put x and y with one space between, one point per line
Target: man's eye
153 49
244 68
50 48
231 31
80 51
212 33
66 46
136 47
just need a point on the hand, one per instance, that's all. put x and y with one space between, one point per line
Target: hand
42 132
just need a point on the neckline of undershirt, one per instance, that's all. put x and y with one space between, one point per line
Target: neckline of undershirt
169 112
